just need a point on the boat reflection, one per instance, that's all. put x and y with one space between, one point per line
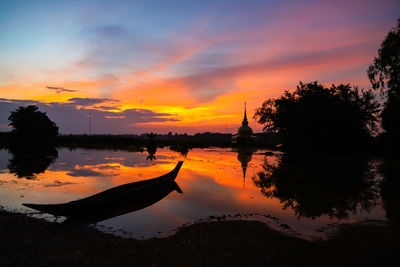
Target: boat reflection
115 201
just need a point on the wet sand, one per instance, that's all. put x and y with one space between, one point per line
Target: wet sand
28 241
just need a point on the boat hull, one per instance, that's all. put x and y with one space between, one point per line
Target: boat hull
115 201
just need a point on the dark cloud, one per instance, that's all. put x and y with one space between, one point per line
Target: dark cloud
114 107
60 89
82 101
110 31
17 101
74 120
144 114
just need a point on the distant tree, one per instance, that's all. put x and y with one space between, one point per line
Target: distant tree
30 124
316 117
151 135
384 74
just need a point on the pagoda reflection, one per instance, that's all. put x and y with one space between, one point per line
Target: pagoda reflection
244 156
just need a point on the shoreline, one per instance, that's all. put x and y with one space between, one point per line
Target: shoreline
31 241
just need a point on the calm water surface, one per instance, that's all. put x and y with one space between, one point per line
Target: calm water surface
299 197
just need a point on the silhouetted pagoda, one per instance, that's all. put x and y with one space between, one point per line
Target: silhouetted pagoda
245 133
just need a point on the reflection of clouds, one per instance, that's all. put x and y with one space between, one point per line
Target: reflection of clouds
84 173
58 183
103 170
7 182
109 167
69 159
204 195
211 181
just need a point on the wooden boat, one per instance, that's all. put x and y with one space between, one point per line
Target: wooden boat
115 201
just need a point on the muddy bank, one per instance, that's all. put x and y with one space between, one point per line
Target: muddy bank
32 242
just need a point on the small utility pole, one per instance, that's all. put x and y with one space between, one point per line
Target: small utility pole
90 124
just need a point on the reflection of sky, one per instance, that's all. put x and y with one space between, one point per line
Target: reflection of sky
82 162
211 181
3 160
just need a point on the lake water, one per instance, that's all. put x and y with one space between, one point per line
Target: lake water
302 197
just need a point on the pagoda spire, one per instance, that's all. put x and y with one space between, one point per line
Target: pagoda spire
245 122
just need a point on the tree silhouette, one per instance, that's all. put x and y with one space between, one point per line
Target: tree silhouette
384 74
182 149
315 186
28 161
151 146
320 118
30 124
390 186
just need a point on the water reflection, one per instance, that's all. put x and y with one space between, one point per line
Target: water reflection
151 147
244 157
29 161
115 201
183 150
390 187
313 187
212 179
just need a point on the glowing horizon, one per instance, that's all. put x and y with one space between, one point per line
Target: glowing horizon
168 66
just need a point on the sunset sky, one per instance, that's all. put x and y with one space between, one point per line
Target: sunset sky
180 66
